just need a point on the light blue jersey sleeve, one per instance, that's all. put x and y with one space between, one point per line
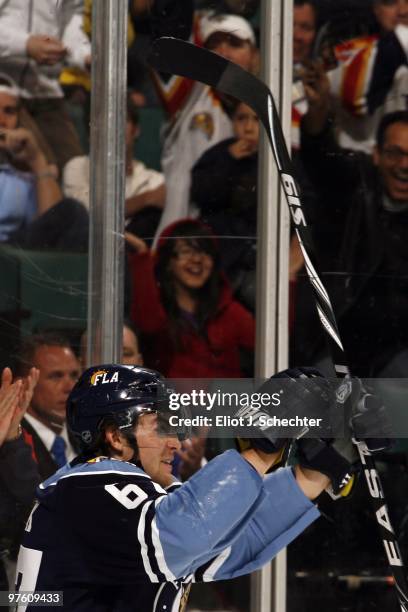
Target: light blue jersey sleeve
281 516
227 515
207 512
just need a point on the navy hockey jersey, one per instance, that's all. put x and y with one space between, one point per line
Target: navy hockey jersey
115 541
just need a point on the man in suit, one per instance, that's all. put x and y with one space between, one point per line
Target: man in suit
44 424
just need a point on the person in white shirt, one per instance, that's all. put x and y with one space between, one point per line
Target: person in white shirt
371 77
145 189
197 119
36 40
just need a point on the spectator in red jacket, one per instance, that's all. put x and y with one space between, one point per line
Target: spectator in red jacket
183 304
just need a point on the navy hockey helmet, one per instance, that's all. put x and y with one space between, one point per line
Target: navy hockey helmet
121 393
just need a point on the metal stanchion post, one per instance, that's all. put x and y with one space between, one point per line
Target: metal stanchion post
107 181
268 586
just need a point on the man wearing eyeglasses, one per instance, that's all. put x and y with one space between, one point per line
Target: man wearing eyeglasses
390 13
361 229
391 158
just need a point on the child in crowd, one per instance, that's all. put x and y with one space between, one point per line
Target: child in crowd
224 189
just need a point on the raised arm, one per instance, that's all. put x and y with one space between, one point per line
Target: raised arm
362 83
22 145
146 309
329 167
74 39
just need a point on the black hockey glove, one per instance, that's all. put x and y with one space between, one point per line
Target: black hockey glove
320 455
370 423
301 397
367 422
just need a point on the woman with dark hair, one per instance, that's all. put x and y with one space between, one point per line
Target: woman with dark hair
183 305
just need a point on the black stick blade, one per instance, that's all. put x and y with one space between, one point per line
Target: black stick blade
174 56
180 57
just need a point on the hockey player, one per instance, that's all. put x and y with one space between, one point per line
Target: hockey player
114 533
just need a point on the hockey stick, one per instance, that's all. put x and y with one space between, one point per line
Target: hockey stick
174 56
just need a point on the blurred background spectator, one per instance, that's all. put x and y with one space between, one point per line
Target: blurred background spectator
363 208
139 80
183 305
131 350
44 424
224 189
145 190
18 471
36 40
305 25
33 213
197 119
76 82
370 74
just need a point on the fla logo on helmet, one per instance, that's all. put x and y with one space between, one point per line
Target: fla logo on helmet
101 377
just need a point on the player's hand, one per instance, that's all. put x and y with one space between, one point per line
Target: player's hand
243 148
366 420
312 483
9 395
21 145
45 49
319 455
296 394
370 423
262 462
